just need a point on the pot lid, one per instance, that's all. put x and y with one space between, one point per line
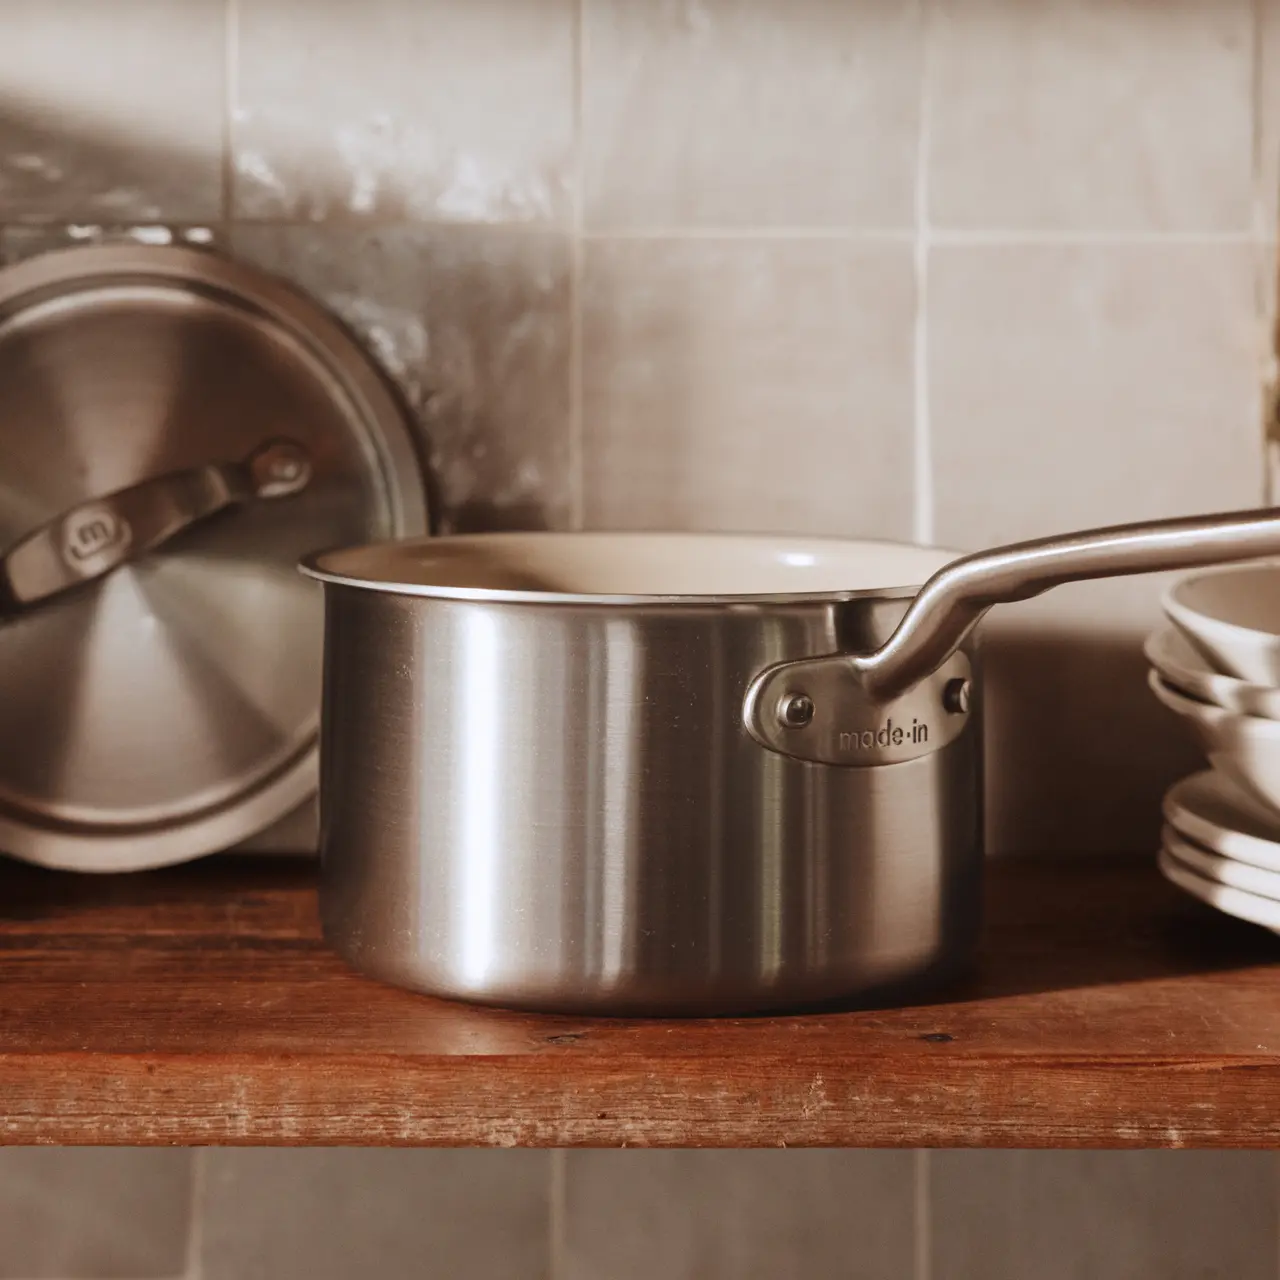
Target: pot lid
176 431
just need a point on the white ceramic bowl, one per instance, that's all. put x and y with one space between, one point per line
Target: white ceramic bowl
1235 902
1240 875
1245 748
1212 811
1233 617
1181 665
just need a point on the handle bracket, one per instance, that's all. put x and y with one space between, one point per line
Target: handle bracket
819 710
837 709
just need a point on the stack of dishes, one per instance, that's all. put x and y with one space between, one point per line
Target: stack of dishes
1217 665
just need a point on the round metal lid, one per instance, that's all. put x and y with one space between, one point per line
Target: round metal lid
176 431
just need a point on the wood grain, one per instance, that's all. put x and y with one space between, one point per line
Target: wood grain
199 1005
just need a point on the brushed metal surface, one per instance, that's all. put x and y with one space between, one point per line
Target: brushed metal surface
845 724
171 708
559 807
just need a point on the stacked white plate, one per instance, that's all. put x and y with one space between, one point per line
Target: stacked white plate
1217 665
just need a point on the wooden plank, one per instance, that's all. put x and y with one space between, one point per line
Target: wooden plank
199 1005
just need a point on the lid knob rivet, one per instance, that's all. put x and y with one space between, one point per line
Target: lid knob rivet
280 468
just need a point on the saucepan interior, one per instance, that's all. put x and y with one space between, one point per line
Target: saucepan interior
618 567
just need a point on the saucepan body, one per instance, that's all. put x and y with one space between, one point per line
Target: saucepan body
554 803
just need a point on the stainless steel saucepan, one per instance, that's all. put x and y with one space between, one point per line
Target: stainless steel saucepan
645 773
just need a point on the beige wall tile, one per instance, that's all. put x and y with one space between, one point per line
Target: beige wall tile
1090 383
1070 387
739 1215
1092 115
384 1214
1268 195
93 1212
111 112
1267 265
431 110
724 113
748 385
1105 1215
473 324
1268 120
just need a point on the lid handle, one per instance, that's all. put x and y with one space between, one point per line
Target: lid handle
97 536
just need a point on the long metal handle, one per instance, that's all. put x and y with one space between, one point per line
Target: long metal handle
95 537
911 696
956 597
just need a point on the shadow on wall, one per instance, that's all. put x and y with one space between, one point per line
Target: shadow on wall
53 171
1079 751
470 321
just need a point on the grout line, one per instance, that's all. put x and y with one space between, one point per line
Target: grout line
876 234
129 224
1264 282
937 235
1103 237
231 89
923 523
923 1219
195 1226
1257 212
556 1215
355 224
577 463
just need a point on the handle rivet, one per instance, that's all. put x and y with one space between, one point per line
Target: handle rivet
795 710
280 468
956 695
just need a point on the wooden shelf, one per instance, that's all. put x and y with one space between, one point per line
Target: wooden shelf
199 1006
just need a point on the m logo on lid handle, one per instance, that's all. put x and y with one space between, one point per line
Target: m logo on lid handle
91 533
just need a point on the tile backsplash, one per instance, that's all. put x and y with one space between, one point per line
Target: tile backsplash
271 1214
954 270
705 409
432 111
1097 116
113 113
750 115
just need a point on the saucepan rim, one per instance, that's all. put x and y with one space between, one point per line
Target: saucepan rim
316 566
